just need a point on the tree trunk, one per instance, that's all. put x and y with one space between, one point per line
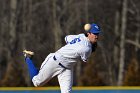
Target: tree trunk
138 31
137 41
27 5
12 41
122 43
116 47
56 27
12 30
3 31
12 25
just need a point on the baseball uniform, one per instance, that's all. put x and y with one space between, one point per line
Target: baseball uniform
61 63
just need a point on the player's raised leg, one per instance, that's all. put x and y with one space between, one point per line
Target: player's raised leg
28 58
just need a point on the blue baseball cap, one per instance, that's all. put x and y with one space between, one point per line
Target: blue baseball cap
95 29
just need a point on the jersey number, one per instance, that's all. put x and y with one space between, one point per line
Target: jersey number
75 40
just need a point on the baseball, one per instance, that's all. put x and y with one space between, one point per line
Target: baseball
87 27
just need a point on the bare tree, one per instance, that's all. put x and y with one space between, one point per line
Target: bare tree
116 47
122 42
12 38
26 28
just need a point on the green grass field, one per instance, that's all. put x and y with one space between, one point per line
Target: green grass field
105 89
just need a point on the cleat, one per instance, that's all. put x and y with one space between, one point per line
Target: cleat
28 53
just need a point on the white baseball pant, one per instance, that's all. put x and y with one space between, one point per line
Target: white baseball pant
51 68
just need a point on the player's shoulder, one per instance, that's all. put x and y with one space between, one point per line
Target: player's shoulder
81 35
84 40
73 35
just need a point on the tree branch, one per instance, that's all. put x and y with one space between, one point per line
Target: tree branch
133 43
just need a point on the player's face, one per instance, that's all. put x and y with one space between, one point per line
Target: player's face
93 37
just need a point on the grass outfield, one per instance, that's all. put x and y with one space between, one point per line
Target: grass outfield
104 89
75 88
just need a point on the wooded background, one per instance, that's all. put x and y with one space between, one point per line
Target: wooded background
41 25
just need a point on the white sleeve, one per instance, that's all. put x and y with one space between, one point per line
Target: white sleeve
69 38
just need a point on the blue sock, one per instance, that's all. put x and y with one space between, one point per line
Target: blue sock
32 69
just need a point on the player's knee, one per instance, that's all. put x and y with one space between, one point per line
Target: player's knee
36 83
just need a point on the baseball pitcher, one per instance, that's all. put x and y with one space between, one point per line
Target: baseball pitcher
61 63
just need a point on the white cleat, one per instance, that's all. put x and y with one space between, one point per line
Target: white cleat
28 53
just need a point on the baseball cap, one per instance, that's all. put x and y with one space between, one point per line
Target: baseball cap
95 29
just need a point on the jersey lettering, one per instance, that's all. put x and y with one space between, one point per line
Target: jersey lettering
75 40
